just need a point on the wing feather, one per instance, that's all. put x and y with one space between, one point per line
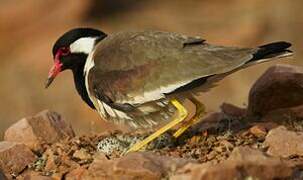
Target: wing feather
139 67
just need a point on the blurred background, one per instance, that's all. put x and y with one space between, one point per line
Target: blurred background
29 28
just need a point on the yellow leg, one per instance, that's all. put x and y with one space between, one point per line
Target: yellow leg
200 111
182 114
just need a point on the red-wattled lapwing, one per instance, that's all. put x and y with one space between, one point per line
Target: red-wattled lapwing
141 78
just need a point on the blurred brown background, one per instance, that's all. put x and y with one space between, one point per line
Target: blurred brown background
29 28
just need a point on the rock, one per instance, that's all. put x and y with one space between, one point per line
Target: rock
258 131
210 121
280 115
51 160
229 146
243 163
2 175
76 174
252 160
232 110
45 127
261 129
14 157
33 175
57 161
139 165
281 86
82 154
285 143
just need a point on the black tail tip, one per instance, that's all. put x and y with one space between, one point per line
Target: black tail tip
272 50
280 45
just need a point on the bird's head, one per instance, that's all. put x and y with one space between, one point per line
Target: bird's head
71 50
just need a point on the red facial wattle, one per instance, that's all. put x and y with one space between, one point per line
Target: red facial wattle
56 68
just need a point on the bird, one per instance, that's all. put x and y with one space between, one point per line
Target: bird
142 78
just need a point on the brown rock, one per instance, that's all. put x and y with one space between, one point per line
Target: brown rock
33 175
52 160
193 171
258 131
14 157
244 162
280 115
82 154
76 174
281 86
2 175
233 110
229 146
261 129
45 127
282 142
139 165
210 121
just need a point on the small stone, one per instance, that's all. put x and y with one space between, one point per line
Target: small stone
45 127
15 157
211 155
219 149
194 140
285 143
51 161
258 131
228 145
82 154
281 86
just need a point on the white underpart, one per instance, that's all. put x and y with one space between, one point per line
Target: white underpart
102 108
83 45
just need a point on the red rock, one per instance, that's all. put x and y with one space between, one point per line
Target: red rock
243 162
14 157
282 142
139 165
233 110
45 127
281 86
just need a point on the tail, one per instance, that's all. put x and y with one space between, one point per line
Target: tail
272 50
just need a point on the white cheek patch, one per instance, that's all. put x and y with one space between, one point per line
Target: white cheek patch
83 45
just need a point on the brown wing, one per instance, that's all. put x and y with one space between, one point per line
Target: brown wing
138 67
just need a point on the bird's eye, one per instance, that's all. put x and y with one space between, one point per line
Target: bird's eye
64 51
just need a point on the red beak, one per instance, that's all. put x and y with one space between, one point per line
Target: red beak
54 71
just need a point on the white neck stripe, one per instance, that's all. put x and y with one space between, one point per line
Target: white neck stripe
83 45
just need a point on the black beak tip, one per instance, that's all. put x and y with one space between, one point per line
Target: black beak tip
48 82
